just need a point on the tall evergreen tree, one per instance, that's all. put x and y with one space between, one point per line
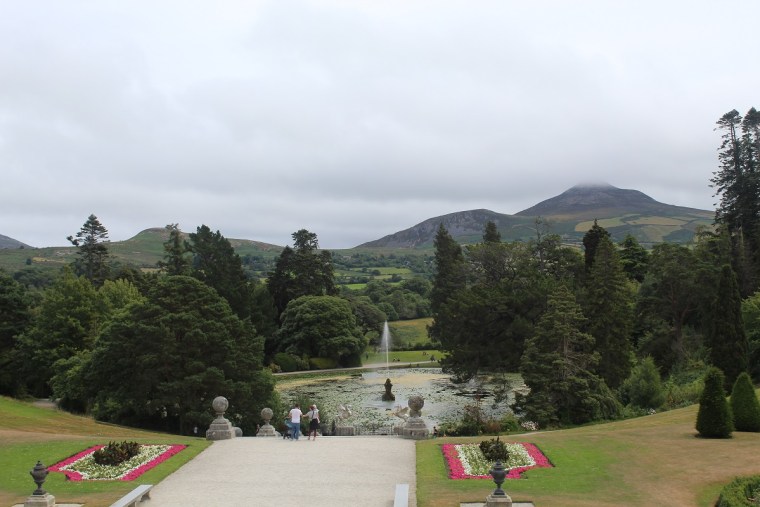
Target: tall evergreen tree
557 367
737 183
449 278
216 264
744 405
725 336
608 306
301 271
590 242
176 260
92 247
714 419
15 317
634 258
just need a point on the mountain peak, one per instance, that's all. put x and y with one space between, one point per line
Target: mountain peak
593 198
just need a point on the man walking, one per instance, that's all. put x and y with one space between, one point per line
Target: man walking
295 415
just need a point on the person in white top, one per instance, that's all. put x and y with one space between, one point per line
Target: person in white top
313 415
295 415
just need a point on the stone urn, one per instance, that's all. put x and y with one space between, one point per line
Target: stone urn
415 427
499 497
220 428
39 473
267 430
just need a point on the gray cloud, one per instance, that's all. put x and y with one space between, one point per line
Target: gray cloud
354 119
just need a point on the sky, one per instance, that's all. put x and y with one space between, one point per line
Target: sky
355 119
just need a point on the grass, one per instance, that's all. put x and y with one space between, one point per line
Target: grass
403 356
653 460
29 433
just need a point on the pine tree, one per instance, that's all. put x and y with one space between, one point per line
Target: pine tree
92 244
714 418
216 264
557 367
744 405
176 261
590 242
728 344
608 305
634 258
448 279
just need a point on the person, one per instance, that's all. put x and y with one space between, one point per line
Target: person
313 415
295 415
435 431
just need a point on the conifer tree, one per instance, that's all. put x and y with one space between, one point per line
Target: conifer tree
176 261
608 306
591 240
557 367
725 336
744 405
92 244
448 279
634 258
714 418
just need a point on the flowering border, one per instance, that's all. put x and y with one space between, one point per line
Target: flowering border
457 469
129 475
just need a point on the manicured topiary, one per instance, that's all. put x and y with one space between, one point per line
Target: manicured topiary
744 405
741 492
714 418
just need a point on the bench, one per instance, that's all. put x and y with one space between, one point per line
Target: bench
135 496
402 496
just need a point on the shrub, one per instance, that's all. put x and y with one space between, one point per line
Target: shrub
286 362
741 492
114 454
322 363
494 450
643 388
714 416
744 405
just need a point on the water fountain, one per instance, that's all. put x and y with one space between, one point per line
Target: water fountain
385 342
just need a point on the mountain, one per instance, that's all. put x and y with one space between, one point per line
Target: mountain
570 214
8 243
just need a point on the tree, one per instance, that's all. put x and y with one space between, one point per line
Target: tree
591 240
160 365
737 183
448 279
643 389
670 292
725 335
714 418
301 271
751 319
176 249
92 244
216 264
744 405
557 366
66 323
14 320
608 303
634 258
322 326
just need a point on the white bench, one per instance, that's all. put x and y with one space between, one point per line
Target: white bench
402 496
134 497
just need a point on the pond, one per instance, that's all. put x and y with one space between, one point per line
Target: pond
444 400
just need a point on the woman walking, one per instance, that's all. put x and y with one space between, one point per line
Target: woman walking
313 415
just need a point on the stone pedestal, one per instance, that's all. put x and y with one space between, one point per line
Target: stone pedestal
344 431
415 427
46 500
498 501
220 428
267 431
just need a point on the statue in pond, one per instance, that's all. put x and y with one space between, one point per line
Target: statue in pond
344 413
388 396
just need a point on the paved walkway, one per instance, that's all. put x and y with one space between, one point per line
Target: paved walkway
327 472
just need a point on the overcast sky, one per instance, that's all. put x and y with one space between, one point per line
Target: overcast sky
355 119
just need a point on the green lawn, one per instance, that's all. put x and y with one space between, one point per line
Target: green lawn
402 356
653 460
29 434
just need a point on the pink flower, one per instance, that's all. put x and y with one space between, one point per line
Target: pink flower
74 475
457 470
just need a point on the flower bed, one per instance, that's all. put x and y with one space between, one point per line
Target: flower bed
82 466
465 461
